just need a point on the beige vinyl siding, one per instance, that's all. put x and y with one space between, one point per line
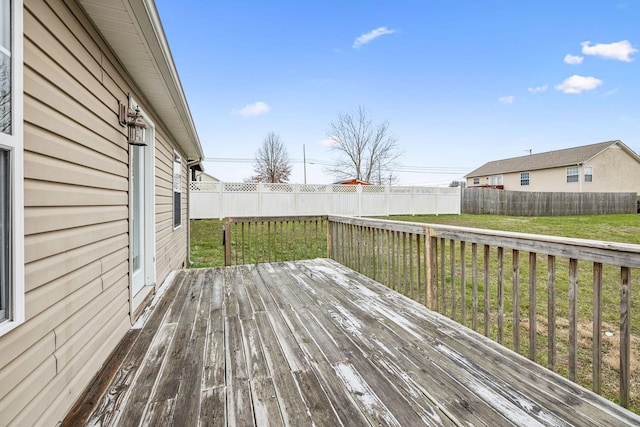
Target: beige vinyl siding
171 244
614 170
76 215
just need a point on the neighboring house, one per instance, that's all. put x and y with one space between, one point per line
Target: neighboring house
203 177
90 225
604 167
352 182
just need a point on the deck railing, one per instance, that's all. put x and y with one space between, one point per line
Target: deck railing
564 303
250 240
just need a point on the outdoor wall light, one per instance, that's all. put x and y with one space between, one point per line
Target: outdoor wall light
136 126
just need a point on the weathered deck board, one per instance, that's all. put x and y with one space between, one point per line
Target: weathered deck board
313 342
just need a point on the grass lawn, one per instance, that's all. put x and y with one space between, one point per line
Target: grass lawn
206 243
614 228
207 249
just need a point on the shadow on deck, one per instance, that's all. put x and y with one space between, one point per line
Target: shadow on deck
313 342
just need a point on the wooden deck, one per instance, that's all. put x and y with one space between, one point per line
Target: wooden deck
312 342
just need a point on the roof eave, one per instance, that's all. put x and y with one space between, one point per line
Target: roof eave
159 82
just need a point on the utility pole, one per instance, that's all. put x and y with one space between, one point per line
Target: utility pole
304 162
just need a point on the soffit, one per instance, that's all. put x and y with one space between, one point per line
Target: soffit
133 30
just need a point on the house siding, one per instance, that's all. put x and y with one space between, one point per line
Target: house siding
76 193
614 170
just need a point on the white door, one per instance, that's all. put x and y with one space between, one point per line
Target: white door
142 214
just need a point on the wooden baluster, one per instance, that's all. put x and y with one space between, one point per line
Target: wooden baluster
500 294
551 312
597 327
411 282
516 300
532 306
419 260
474 284
487 265
573 318
625 336
452 274
443 277
463 282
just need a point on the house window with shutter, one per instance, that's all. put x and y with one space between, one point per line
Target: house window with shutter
573 174
177 190
12 310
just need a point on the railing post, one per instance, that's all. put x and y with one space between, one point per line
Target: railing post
226 241
330 253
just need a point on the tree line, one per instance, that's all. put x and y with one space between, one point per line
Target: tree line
366 151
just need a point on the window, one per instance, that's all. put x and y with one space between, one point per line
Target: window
476 181
177 190
495 180
573 174
6 75
588 174
524 178
5 235
11 175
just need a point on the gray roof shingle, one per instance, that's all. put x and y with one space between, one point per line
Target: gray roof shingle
549 159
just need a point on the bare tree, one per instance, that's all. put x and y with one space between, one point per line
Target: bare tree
366 151
460 183
272 161
5 95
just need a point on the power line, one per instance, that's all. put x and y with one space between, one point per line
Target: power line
444 170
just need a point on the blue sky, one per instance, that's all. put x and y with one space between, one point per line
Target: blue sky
461 82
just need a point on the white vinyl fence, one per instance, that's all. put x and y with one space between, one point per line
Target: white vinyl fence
223 199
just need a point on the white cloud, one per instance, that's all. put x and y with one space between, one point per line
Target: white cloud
506 99
573 59
327 143
619 50
254 109
374 34
611 92
578 84
538 89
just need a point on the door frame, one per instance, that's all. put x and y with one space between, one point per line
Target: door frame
149 223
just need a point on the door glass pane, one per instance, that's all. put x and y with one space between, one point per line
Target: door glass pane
137 164
5 234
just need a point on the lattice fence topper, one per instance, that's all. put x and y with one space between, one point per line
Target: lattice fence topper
310 188
240 186
277 188
344 188
204 186
374 189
